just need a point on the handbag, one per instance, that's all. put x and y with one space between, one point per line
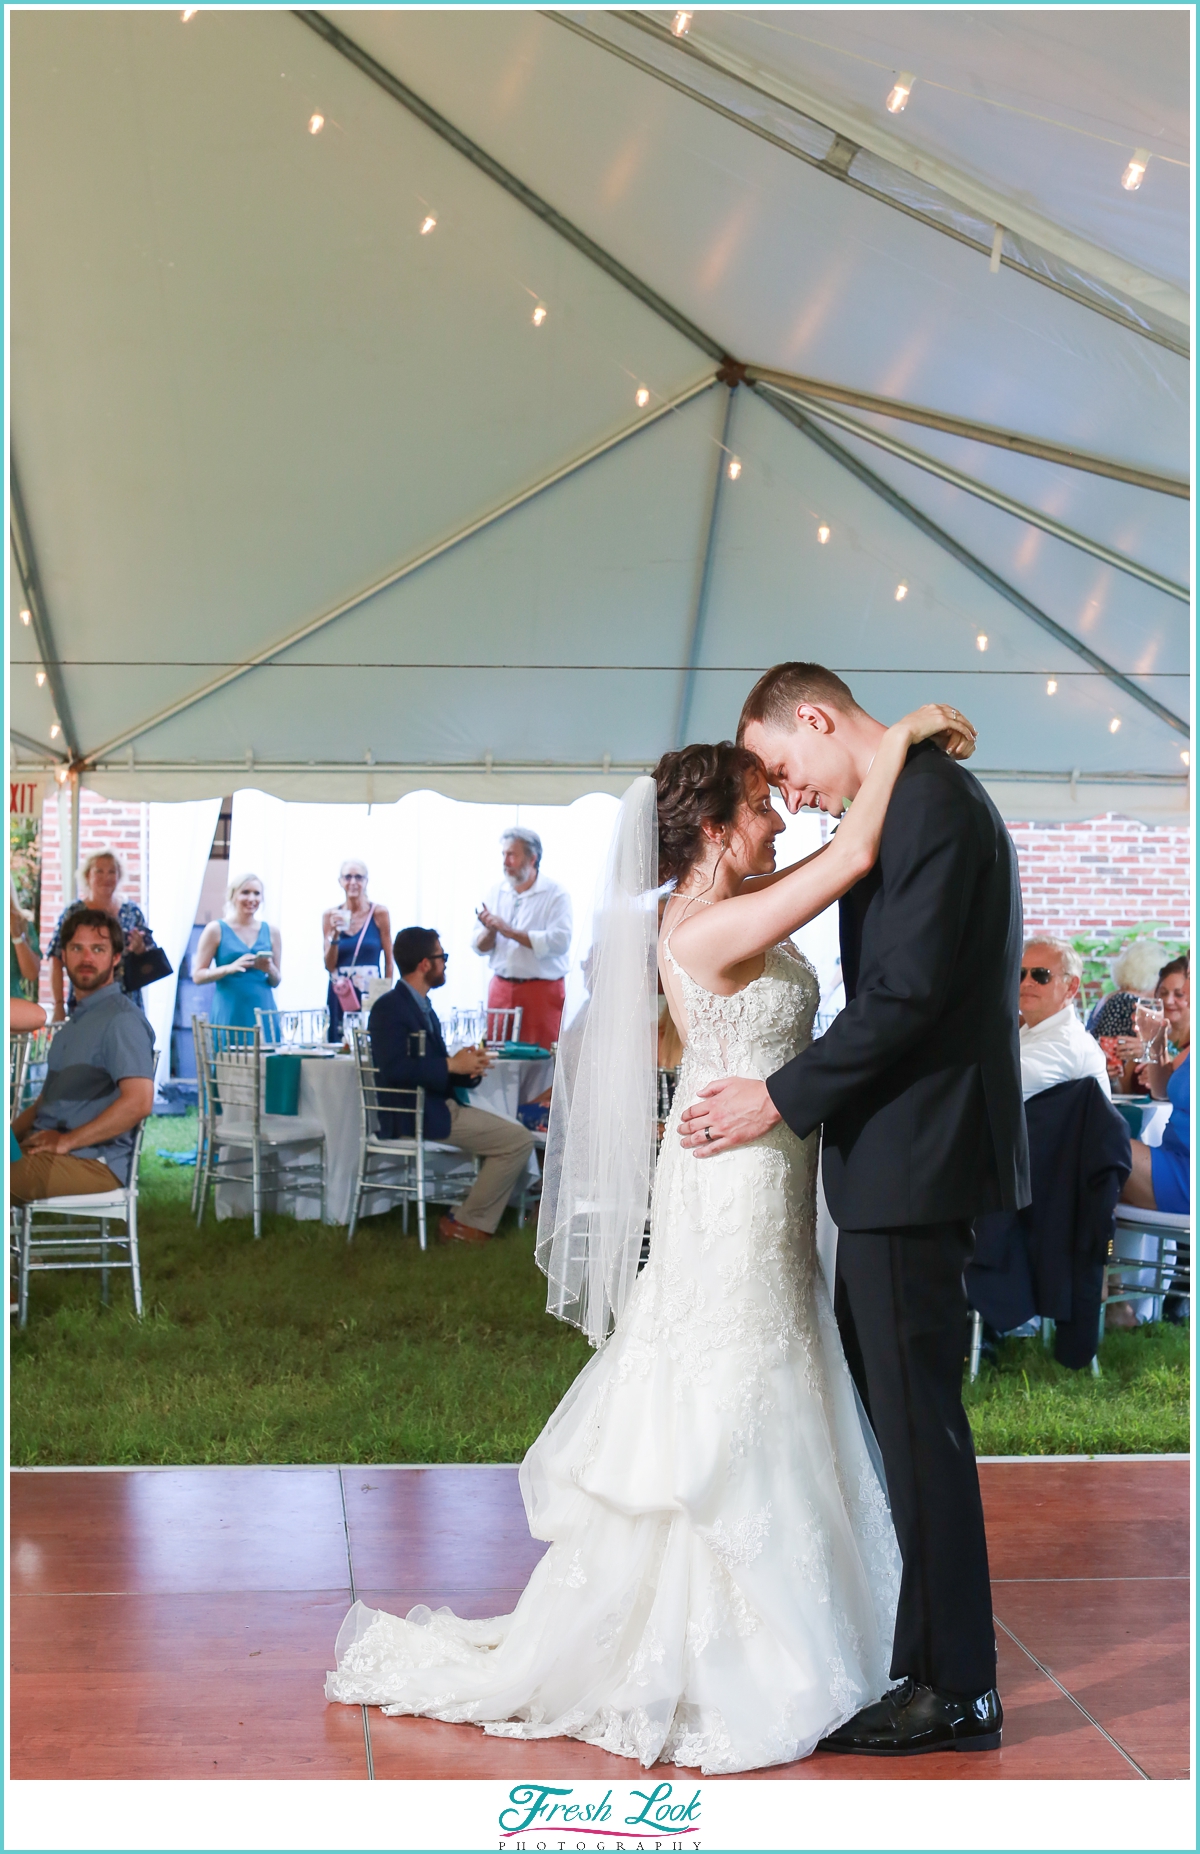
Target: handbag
344 989
145 968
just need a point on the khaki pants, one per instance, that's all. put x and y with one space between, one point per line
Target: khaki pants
503 1145
59 1174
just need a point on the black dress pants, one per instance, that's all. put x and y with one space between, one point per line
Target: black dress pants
902 1313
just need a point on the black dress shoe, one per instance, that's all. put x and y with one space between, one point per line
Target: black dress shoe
912 1718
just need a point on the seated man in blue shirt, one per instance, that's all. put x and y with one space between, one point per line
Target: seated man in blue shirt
504 1145
78 1135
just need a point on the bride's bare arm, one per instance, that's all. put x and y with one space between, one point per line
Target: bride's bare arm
727 935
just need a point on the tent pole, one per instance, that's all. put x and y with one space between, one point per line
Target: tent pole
1064 454
424 558
696 638
31 583
902 506
959 480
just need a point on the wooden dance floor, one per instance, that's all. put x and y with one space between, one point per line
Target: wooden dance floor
179 1622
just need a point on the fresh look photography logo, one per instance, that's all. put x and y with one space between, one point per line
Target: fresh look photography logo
565 1815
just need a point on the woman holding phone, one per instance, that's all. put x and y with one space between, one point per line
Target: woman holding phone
240 956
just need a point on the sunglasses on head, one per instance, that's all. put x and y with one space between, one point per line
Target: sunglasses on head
1041 975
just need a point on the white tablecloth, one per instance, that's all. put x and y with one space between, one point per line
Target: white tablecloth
329 1093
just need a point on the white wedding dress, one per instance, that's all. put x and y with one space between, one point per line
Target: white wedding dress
721 1583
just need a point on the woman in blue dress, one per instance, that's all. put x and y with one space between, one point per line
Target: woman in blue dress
239 956
357 936
1160 1179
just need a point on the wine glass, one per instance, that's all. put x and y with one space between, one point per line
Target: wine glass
1148 1021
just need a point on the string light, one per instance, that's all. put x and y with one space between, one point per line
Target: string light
900 92
822 534
735 469
1052 686
316 123
901 592
539 315
1135 173
189 12
642 396
55 730
1114 726
428 223
40 678
1186 757
25 617
981 641
680 24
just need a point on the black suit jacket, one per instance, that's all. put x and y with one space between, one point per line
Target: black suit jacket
918 1080
395 1018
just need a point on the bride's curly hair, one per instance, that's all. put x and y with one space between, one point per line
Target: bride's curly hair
698 785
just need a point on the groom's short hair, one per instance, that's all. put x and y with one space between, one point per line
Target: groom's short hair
775 697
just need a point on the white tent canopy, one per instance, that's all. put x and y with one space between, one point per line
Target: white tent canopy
312 500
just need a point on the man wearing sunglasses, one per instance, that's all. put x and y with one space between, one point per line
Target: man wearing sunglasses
1055 1047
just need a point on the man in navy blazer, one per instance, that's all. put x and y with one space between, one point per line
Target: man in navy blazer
503 1145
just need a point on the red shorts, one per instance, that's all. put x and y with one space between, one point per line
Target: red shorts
540 1002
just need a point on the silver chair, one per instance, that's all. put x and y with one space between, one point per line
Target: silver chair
75 1230
303 1029
399 1169
503 1027
27 1053
1151 1258
239 1133
204 1114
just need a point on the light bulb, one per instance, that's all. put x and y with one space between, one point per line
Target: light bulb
55 730
680 24
1135 173
316 123
428 223
901 592
981 641
735 469
1186 757
822 534
539 315
1114 726
40 678
642 396
900 92
189 12
1052 686
25 616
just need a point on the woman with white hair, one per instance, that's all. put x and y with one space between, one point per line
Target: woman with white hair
525 934
99 879
1135 969
239 955
356 936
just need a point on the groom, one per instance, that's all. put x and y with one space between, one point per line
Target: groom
918 1084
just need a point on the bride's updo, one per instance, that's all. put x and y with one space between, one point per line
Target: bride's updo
697 786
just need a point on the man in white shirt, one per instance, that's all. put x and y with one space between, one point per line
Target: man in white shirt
1055 1047
525 932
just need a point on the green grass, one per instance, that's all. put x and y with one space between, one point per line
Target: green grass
300 1349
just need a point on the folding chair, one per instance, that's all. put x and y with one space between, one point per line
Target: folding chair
404 1175
239 1132
84 1240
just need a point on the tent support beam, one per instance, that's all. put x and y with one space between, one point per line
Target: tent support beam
959 480
696 639
414 565
971 428
49 754
533 202
31 583
788 410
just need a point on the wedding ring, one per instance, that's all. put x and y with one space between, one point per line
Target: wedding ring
708 1132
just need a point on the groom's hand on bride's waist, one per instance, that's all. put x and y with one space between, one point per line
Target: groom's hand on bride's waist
728 1113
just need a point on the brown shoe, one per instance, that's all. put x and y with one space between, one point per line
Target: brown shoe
450 1231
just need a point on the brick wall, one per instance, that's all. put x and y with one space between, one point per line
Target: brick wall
1104 874
105 824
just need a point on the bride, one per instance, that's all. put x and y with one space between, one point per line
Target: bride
721 1582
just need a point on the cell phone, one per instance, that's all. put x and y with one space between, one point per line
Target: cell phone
262 961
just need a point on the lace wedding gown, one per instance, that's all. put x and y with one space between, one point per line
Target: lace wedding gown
721 1583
